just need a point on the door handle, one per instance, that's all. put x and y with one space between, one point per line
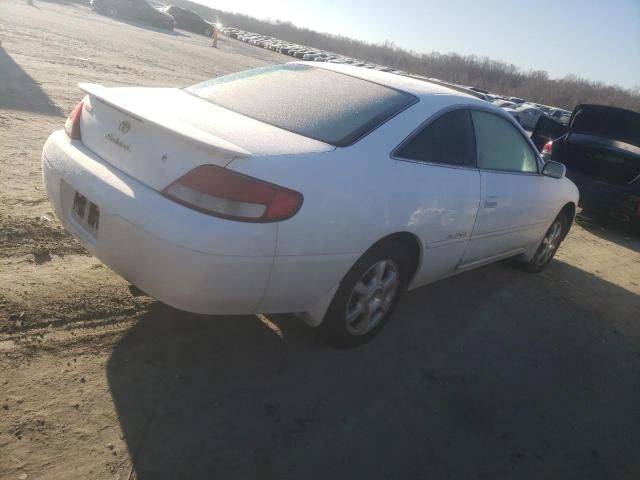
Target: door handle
491 202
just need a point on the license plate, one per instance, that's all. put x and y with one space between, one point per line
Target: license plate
86 213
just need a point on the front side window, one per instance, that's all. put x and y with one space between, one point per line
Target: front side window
448 140
500 145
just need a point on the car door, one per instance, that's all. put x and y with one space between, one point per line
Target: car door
176 13
512 213
193 22
138 9
547 129
439 159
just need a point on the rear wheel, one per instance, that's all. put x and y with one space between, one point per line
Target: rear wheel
549 245
367 296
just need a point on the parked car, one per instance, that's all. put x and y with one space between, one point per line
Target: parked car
544 109
503 103
138 10
601 150
516 100
546 129
190 20
562 116
234 196
526 115
479 90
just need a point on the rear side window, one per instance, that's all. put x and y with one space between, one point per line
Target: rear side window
500 145
328 106
448 140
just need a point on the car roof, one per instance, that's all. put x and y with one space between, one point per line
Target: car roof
416 86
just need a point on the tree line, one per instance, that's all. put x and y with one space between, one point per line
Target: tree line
482 72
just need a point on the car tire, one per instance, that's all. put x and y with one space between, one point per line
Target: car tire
549 245
367 296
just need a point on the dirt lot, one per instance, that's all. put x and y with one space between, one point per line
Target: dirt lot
493 374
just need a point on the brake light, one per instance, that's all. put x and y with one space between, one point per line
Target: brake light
223 193
548 148
72 125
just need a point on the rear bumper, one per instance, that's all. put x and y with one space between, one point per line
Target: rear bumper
619 202
184 258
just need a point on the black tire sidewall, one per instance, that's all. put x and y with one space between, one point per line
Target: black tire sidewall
533 266
334 324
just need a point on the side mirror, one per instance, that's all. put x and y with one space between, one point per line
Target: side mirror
554 169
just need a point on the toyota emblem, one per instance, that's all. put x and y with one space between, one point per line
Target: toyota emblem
124 126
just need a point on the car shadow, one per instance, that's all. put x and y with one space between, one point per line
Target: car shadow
18 91
609 229
491 374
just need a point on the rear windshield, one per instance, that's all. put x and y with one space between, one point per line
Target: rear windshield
608 122
328 106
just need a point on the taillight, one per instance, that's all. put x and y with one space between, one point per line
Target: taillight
548 148
72 125
223 193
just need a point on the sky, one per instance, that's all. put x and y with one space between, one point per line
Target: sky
597 40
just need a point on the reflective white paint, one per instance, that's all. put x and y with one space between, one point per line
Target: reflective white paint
353 197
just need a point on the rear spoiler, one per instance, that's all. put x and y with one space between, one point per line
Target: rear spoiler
194 135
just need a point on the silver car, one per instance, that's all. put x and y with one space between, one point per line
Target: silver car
526 115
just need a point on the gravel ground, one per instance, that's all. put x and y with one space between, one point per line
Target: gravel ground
491 374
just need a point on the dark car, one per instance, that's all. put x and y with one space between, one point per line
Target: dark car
189 20
601 150
138 10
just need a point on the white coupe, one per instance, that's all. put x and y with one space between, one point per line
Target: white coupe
321 190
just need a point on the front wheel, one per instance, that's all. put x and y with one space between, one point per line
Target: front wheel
367 296
549 245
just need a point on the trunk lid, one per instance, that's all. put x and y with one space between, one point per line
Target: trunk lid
601 159
606 122
156 135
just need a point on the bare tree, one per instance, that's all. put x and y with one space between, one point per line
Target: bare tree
483 72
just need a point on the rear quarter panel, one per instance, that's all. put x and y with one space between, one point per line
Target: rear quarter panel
353 197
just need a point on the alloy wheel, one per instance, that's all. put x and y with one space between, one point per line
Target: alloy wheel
550 243
372 297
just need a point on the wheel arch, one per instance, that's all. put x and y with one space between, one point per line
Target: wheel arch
570 210
408 241
412 246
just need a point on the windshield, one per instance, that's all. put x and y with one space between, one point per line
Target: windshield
317 103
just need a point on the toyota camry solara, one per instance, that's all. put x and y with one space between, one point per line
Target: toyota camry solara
321 190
